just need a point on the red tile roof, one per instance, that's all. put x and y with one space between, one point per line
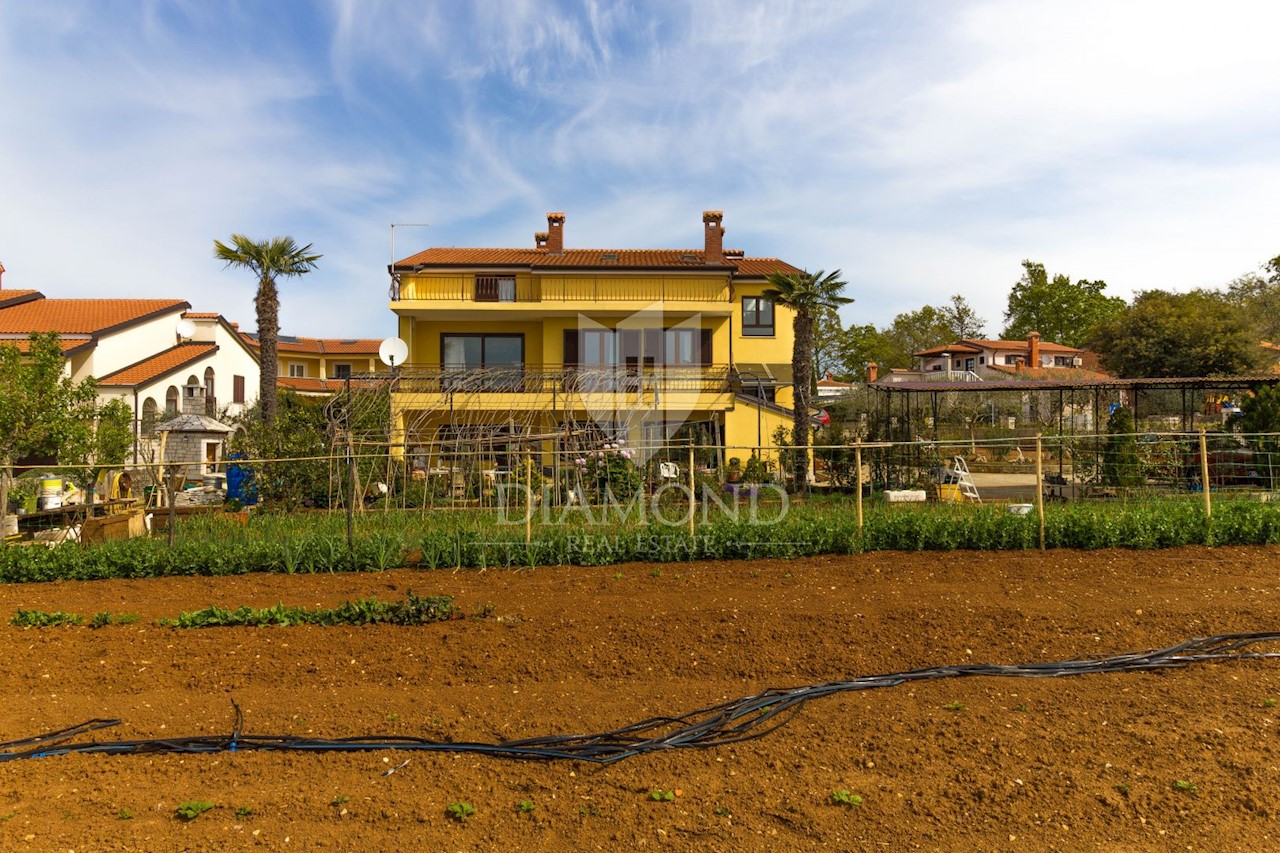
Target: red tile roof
201 315
69 343
13 297
763 267
83 316
320 346
1062 374
690 259
313 385
977 344
159 365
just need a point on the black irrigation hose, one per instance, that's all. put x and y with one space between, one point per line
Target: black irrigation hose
716 725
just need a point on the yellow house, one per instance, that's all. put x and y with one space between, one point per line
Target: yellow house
318 366
574 349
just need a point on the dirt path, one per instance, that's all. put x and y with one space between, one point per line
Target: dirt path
1078 763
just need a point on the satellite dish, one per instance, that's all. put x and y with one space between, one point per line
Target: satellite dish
393 351
185 328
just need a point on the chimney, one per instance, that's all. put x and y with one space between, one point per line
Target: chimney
540 239
555 233
714 236
1033 350
873 370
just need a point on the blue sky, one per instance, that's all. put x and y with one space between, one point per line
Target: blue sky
924 148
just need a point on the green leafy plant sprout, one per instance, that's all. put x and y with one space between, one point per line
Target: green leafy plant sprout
392 717
339 800
192 809
1021 708
460 811
525 806
953 706
1121 788
8 815
617 576
843 797
42 619
656 573
722 811
658 795
244 812
1182 786
1268 703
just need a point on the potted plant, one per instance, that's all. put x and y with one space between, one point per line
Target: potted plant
734 474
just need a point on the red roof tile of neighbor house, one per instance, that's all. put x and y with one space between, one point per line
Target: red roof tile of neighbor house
69 343
315 385
83 316
978 344
1058 374
827 381
320 346
13 297
159 365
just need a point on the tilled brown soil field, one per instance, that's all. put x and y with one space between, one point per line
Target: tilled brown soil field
1081 763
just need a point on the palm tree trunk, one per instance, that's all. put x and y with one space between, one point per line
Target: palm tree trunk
267 306
802 358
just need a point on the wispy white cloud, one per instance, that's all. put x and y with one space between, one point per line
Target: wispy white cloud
925 148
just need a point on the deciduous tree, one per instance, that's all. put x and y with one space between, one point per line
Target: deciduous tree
41 409
1166 334
1060 310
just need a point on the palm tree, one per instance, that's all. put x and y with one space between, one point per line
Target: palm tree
807 295
269 260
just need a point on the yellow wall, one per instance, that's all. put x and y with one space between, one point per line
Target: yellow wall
426 338
587 288
762 350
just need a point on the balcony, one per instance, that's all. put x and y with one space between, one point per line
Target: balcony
548 380
510 292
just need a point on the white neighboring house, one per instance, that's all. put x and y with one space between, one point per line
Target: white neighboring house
141 353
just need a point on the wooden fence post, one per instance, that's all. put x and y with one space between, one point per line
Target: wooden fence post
1204 475
1040 486
857 464
692 494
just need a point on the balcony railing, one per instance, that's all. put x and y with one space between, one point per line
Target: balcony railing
562 289
711 379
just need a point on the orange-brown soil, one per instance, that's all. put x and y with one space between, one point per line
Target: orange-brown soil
1076 763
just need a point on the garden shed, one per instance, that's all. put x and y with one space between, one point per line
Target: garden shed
194 444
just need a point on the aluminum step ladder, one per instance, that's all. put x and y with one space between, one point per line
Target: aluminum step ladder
964 480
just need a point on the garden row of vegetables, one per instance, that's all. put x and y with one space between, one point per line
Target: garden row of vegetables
220 545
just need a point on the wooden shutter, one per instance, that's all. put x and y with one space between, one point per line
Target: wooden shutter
237 389
706 347
571 339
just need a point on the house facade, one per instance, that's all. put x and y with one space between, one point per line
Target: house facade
567 350
319 366
156 355
975 359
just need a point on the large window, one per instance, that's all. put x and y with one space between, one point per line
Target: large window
499 357
342 371
757 316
